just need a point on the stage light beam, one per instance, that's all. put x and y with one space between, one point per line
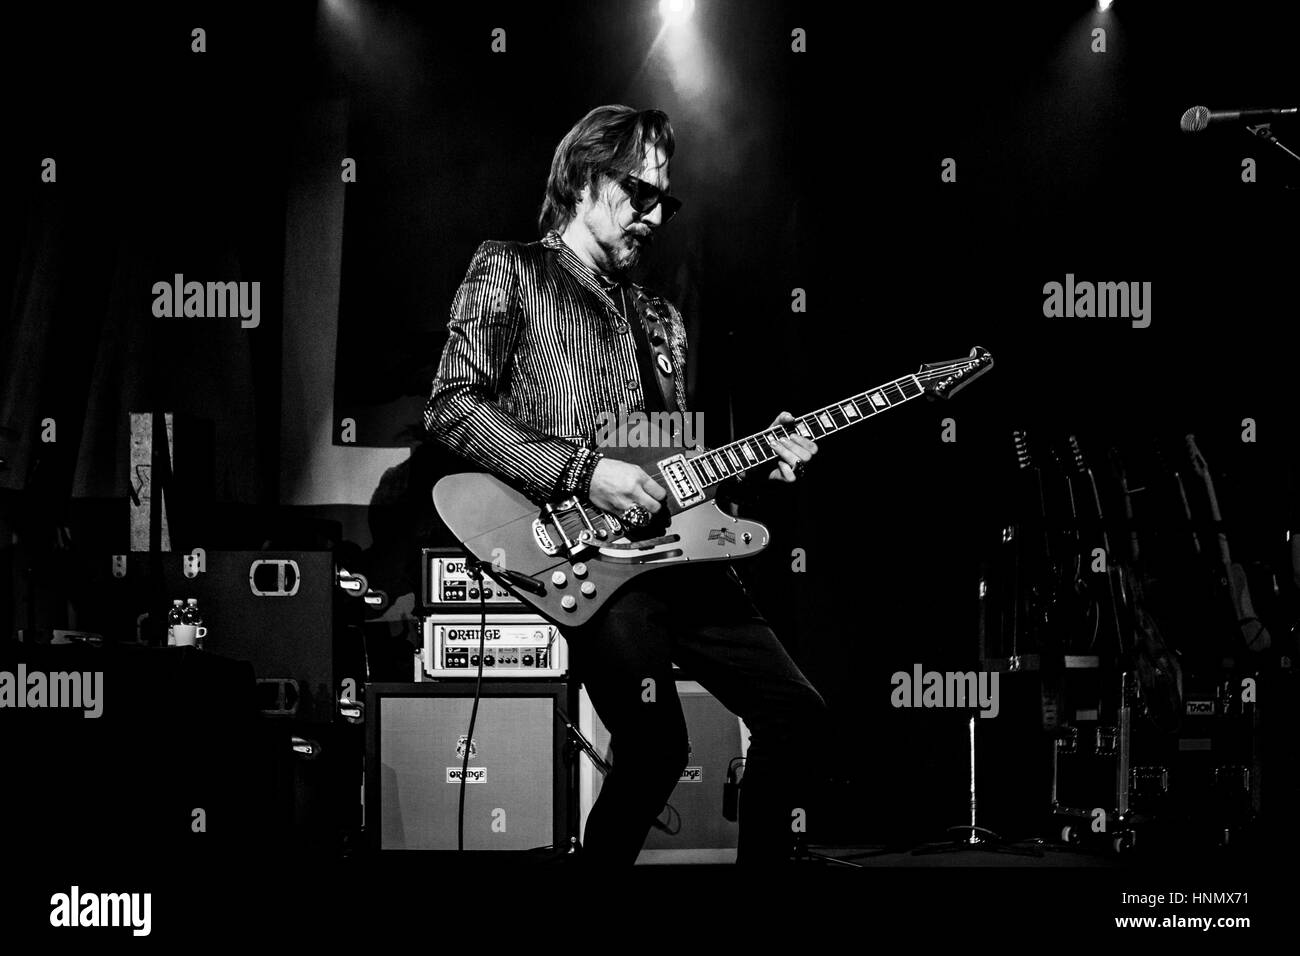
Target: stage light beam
1104 5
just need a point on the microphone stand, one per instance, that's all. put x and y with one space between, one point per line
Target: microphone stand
578 741
976 837
1264 131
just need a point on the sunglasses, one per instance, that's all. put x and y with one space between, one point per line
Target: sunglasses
644 197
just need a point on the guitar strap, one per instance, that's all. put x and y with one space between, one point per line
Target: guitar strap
653 356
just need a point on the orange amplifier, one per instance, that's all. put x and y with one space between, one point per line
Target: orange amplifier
447 586
515 645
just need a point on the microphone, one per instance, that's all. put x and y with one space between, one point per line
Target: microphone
1199 117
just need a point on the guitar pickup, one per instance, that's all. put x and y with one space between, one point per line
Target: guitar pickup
680 481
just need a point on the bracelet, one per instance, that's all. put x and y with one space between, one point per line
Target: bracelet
582 482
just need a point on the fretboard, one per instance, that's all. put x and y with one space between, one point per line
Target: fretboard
718 464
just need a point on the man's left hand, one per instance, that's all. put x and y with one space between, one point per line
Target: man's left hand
794 451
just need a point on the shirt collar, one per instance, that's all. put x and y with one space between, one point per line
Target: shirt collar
597 283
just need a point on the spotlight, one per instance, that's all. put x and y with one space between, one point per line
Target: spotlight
1104 5
676 11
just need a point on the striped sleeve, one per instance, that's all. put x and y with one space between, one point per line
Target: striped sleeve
464 412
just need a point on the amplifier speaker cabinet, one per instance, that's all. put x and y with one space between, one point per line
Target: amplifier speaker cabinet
515 793
717 737
274 609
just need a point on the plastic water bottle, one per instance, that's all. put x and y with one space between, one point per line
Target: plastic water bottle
191 615
173 618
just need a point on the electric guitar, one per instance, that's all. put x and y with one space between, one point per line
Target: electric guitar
1035 574
1230 576
1109 595
1079 610
1160 675
568 558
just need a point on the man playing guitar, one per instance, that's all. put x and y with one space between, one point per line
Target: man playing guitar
547 337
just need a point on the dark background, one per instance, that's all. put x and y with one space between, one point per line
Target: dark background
818 171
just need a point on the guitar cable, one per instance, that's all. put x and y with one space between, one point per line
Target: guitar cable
473 714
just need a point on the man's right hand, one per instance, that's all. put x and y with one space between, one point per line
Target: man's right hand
618 485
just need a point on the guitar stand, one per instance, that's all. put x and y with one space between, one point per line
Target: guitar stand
977 837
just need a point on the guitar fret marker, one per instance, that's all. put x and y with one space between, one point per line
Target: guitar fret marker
849 409
825 419
749 453
735 460
878 399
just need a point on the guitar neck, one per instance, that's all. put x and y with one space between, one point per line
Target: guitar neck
717 465
1216 516
1202 470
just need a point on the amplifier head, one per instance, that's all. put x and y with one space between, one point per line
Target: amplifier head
447 586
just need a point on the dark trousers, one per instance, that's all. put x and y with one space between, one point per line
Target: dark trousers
700 618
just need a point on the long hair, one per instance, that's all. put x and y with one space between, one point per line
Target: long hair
609 141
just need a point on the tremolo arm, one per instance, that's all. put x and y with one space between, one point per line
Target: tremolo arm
575 530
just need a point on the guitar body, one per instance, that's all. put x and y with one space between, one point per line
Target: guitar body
502 527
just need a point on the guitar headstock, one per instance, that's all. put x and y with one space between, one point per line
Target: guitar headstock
945 379
1024 456
1076 454
1199 464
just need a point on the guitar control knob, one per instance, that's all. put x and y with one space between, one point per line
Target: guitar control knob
580 570
588 589
559 579
569 602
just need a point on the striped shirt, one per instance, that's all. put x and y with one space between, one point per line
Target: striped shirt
536 352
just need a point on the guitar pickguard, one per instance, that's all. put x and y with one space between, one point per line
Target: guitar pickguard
702 533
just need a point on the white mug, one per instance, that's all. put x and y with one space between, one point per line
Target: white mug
187 634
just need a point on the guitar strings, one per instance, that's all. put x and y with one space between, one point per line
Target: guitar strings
926 376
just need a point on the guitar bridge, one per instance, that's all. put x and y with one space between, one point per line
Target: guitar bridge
581 532
680 481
